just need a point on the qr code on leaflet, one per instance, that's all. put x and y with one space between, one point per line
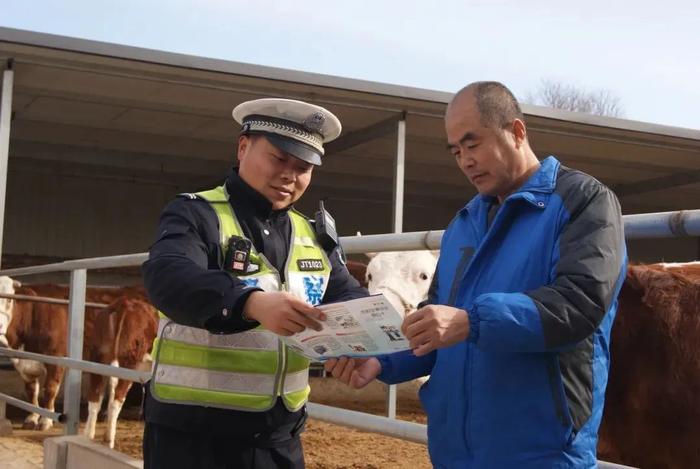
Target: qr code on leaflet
347 322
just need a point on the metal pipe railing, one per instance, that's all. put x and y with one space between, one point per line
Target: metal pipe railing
640 226
663 225
48 299
82 365
127 260
32 408
402 429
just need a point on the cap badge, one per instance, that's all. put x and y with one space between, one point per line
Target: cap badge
314 122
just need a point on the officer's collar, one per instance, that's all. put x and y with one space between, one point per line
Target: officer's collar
244 197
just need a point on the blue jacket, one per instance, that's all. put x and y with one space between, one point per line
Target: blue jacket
540 286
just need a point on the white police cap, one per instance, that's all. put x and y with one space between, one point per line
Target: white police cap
295 127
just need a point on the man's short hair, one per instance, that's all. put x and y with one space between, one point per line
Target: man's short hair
497 106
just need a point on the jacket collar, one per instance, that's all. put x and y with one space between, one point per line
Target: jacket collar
245 198
535 190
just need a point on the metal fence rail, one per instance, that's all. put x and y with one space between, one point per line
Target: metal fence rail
416 432
82 365
32 408
641 226
48 299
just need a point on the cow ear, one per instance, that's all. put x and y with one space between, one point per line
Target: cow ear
16 283
371 255
436 254
635 277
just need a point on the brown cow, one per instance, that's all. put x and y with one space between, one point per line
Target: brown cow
652 408
123 336
42 328
39 328
358 270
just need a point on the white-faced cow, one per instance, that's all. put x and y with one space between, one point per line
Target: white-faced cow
403 277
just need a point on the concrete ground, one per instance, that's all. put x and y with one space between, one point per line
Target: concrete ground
24 449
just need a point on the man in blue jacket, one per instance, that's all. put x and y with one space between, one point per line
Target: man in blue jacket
516 334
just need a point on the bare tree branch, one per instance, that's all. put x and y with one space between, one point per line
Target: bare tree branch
560 96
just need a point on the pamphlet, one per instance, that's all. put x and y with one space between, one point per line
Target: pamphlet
363 327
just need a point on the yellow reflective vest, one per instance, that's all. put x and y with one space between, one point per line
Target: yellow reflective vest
246 370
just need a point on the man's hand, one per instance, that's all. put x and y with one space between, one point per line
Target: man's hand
435 326
282 312
355 372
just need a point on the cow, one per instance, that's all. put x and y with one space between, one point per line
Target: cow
122 335
652 410
42 328
7 286
403 277
358 270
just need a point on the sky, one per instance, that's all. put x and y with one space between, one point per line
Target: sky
647 53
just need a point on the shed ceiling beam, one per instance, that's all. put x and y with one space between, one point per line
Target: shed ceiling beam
358 137
657 184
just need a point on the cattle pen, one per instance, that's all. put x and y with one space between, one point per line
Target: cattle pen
651 225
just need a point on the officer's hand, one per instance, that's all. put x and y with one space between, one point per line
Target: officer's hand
282 312
435 326
355 372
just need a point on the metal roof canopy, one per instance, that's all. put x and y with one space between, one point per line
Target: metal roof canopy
95 109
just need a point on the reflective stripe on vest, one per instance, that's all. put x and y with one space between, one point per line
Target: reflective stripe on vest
247 370
257 339
230 382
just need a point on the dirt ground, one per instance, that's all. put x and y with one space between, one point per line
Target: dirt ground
326 446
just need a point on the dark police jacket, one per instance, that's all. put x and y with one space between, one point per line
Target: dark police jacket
183 278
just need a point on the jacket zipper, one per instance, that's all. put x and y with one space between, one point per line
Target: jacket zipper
487 234
282 361
285 287
490 229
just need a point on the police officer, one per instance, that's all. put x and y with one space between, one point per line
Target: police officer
233 269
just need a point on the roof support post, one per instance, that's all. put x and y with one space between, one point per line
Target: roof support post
76 329
399 177
5 120
397 226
